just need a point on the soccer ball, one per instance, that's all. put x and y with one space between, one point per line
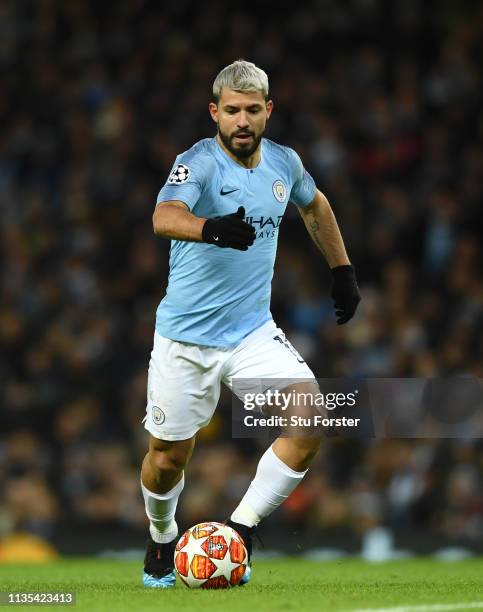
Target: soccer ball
210 556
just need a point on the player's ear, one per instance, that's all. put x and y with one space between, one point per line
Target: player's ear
213 108
269 107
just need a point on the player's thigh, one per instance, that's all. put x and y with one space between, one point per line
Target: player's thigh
266 360
183 388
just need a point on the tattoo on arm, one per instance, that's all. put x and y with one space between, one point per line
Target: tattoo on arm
314 228
322 227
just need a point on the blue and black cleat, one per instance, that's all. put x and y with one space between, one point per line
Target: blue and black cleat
159 565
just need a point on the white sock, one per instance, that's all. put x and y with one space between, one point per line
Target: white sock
161 508
273 483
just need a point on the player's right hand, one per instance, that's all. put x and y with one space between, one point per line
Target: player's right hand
229 231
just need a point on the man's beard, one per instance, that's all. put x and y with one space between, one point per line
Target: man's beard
244 151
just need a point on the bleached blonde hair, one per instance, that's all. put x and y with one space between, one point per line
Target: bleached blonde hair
241 76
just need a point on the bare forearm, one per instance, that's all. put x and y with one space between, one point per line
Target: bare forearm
324 231
176 222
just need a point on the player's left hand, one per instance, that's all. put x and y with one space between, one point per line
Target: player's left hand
345 293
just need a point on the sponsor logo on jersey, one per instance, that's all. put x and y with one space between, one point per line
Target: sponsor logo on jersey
262 221
265 227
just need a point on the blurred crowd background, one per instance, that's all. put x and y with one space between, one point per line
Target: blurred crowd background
384 103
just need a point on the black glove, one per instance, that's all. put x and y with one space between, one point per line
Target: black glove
345 293
229 231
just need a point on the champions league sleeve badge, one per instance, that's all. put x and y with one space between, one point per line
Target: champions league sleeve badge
179 175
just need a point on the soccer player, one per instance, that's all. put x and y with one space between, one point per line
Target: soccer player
221 206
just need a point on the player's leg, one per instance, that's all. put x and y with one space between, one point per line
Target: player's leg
162 480
266 354
281 468
183 390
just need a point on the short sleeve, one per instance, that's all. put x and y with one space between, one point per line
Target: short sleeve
303 186
186 180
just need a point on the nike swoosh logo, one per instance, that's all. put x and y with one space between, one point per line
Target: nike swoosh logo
227 192
215 238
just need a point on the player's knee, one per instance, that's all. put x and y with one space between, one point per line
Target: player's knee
170 457
168 461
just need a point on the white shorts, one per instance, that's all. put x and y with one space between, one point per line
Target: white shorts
184 379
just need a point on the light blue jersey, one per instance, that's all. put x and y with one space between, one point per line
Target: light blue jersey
216 297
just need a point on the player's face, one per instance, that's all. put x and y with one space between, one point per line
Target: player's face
241 119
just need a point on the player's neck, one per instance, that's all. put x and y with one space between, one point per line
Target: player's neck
247 162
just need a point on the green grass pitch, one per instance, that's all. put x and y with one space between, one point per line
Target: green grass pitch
278 584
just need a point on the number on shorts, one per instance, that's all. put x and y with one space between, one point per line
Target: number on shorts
283 340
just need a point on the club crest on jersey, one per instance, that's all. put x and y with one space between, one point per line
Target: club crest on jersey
158 415
279 190
179 175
